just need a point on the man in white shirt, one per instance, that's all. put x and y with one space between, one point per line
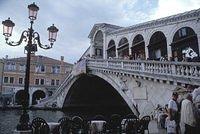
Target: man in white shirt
187 115
173 110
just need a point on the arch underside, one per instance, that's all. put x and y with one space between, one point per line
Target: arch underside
92 94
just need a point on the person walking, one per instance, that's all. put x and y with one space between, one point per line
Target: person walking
173 110
187 115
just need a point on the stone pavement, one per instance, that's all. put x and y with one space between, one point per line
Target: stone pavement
153 128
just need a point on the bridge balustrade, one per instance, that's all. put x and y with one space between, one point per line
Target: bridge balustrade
176 69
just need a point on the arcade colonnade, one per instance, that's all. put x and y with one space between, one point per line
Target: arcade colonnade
166 37
35 95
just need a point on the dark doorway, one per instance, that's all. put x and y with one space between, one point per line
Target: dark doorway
18 97
157 46
92 95
37 95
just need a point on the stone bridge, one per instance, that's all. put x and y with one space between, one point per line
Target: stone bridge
137 85
102 80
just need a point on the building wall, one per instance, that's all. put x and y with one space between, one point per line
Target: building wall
48 75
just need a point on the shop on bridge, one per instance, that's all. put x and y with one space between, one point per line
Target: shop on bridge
123 48
98 45
138 48
111 50
157 46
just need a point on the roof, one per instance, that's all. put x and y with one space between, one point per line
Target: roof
165 20
38 58
109 27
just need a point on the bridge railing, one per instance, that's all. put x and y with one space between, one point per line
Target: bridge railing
179 69
59 89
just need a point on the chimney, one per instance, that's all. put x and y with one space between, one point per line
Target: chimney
62 58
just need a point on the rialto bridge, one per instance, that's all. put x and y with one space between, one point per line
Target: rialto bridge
107 78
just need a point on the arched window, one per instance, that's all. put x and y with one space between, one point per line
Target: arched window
185 43
98 44
123 48
157 46
111 51
138 47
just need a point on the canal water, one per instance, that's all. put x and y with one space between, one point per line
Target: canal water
10 118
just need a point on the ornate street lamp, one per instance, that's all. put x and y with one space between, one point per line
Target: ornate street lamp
32 39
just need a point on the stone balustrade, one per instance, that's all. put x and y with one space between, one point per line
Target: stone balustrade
59 89
170 70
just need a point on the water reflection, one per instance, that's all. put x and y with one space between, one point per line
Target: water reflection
10 118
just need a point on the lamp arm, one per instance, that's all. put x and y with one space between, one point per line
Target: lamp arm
23 37
36 37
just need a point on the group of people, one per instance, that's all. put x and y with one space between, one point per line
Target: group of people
184 117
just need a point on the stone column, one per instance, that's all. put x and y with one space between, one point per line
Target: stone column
146 49
104 46
169 50
92 48
198 37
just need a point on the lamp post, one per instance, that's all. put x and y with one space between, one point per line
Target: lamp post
32 39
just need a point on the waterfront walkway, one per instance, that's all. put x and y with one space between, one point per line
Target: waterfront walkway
153 128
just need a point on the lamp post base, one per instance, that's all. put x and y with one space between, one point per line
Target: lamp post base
24 122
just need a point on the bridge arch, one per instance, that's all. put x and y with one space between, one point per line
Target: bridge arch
138 47
184 38
157 46
111 49
118 97
98 44
123 47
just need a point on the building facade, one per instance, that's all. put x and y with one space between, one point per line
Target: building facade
172 38
46 74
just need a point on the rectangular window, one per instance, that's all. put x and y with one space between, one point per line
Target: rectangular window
40 68
22 67
20 80
11 79
5 80
42 82
36 81
57 82
52 82
55 69
10 66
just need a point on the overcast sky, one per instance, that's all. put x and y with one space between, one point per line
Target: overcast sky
75 19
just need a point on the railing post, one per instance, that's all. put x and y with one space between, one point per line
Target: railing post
107 63
122 64
173 67
142 67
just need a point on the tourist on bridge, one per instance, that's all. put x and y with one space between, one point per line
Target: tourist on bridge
173 110
187 115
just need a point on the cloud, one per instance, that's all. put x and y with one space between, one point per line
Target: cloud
171 7
75 19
